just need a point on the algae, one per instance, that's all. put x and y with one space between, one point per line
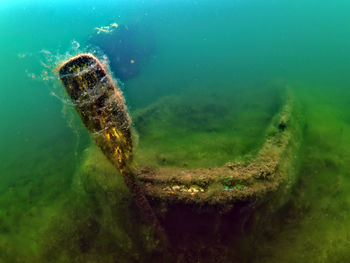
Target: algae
99 222
205 129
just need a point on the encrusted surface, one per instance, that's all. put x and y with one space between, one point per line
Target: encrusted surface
230 183
100 105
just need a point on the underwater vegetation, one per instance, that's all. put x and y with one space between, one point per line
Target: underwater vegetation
209 130
102 224
96 220
205 96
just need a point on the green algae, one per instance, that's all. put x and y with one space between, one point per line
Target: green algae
205 129
313 226
99 222
44 215
239 186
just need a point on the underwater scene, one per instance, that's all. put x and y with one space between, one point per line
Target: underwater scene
175 131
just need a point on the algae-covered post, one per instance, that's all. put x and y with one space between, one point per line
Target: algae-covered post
101 107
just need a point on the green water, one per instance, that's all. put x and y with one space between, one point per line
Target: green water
205 97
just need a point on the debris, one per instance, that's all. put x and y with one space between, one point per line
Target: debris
184 189
107 29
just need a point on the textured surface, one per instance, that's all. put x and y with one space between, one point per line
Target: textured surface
234 182
100 105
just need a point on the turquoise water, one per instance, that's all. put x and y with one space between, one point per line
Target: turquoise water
54 207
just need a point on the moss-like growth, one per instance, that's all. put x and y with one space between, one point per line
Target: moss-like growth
205 129
100 222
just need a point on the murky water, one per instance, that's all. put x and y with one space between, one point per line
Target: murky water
203 81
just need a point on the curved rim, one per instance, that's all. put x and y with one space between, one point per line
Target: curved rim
231 182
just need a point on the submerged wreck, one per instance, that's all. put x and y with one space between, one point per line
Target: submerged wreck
187 206
234 182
